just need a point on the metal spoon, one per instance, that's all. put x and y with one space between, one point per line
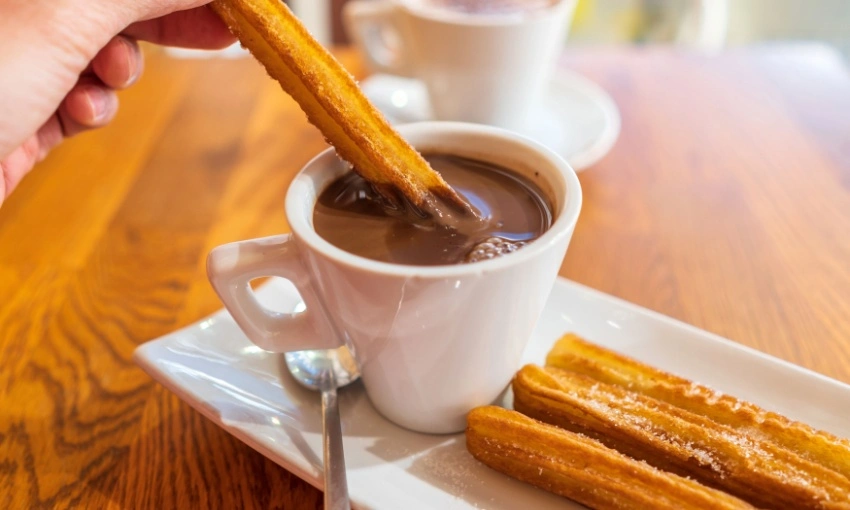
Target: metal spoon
325 371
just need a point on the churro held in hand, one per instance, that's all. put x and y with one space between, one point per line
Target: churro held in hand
335 104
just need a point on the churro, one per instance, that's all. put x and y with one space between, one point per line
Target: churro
335 104
580 468
670 438
575 354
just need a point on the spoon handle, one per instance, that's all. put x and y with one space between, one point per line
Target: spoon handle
336 485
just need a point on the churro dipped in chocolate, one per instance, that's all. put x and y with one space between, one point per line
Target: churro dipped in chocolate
670 438
580 468
577 355
335 104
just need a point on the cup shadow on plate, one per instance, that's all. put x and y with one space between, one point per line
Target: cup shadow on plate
443 462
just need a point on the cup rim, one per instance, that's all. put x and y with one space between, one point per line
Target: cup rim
566 216
481 20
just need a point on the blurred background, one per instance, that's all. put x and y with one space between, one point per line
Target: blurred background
708 25
705 25
702 25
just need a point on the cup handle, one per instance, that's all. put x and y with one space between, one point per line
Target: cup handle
231 267
370 23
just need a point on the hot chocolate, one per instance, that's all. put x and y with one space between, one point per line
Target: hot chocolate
351 215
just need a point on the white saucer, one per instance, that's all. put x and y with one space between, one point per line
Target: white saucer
249 393
578 119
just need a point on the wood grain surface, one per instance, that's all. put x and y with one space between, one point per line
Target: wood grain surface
725 203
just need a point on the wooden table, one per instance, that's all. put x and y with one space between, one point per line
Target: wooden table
725 203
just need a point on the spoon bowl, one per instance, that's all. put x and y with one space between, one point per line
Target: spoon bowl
311 368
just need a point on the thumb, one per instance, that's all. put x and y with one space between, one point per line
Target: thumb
150 9
193 28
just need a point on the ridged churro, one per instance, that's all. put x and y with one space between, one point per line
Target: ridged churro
670 438
335 104
575 354
580 468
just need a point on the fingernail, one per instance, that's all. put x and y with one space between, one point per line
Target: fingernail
98 102
134 61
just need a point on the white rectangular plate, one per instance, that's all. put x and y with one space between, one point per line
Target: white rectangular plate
249 393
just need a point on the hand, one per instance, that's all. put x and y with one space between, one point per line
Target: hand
61 62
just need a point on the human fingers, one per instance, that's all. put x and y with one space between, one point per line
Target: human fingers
88 105
194 28
119 64
15 166
49 136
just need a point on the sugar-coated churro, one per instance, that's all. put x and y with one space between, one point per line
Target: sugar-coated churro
334 103
575 354
670 438
580 468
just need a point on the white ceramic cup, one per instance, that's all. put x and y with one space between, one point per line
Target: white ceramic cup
489 69
432 341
